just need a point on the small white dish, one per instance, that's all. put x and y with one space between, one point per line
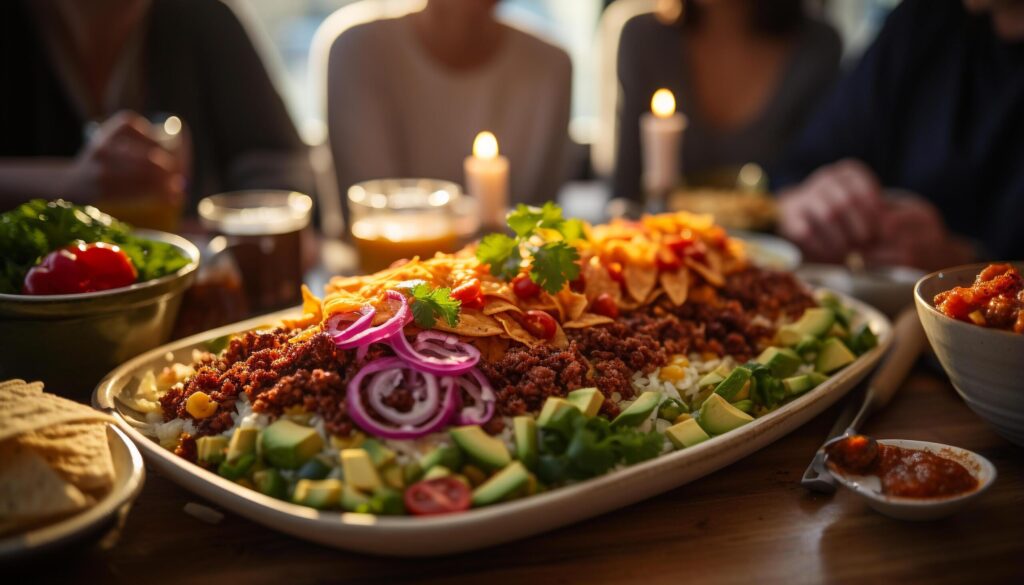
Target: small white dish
869 487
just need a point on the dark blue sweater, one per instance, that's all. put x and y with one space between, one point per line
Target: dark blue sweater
936 106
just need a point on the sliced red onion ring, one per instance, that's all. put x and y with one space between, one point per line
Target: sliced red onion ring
385 329
424 392
476 385
436 352
358 322
357 409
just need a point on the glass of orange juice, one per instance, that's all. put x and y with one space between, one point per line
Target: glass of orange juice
394 219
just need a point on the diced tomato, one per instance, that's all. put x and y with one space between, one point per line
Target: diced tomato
540 324
578 285
666 259
524 287
470 294
615 271
442 495
80 268
605 305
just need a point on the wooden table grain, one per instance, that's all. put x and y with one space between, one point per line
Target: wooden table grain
748 523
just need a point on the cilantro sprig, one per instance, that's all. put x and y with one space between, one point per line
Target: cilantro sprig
554 263
430 304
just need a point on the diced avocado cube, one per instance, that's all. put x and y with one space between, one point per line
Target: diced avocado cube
449 456
380 454
588 400
436 472
287 445
270 482
797 385
863 340
316 468
639 411
710 379
501 485
318 493
731 385
352 499
525 430
359 470
238 468
212 449
817 378
831 301
385 502
671 408
815 321
808 346
833 355
782 362
552 406
717 416
484 450
392 476
686 434
412 472
242 441
839 331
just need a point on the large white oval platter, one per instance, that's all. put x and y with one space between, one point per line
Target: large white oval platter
412 536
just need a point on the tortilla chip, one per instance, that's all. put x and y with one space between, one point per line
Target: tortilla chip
79 451
22 385
497 289
560 340
516 331
587 320
657 292
597 281
23 408
499 305
676 285
713 277
573 304
30 491
312 311
472 323
491 348
639 280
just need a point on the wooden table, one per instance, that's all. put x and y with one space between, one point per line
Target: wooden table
748 523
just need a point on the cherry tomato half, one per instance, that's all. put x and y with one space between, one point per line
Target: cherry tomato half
470 294
80 268
667 260
442 495
605 305
615 271
580 284
524 287
540 324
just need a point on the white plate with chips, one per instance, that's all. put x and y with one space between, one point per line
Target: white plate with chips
44 466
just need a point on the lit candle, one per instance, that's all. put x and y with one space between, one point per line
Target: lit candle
661 135
487 180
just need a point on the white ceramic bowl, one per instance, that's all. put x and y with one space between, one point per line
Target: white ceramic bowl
986 366
869 487
94 522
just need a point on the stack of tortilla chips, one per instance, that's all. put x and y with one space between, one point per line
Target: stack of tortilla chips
54 457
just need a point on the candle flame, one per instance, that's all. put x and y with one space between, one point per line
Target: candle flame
485 146
172 125
663 103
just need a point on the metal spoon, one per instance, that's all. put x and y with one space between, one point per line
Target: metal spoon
908 342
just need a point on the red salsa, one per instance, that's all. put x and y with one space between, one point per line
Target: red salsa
908 473
996 299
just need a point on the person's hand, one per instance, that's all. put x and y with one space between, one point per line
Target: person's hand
833 212
122 159
912 233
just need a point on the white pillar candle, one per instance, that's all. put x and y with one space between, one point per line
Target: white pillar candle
661 136
487 180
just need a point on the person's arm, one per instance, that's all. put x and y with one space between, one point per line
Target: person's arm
22 179
256 141
360 112
633 99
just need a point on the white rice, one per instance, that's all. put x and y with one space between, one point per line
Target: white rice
686 387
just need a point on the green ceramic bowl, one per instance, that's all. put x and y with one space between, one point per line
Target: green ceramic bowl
985 365
71 341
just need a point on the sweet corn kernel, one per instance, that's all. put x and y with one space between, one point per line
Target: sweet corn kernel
682 417
680 360
672 373
351 442
199 405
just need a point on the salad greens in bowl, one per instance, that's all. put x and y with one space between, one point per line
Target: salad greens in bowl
81 292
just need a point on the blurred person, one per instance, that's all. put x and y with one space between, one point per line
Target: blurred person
111 65
745 73
915 159
406 97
